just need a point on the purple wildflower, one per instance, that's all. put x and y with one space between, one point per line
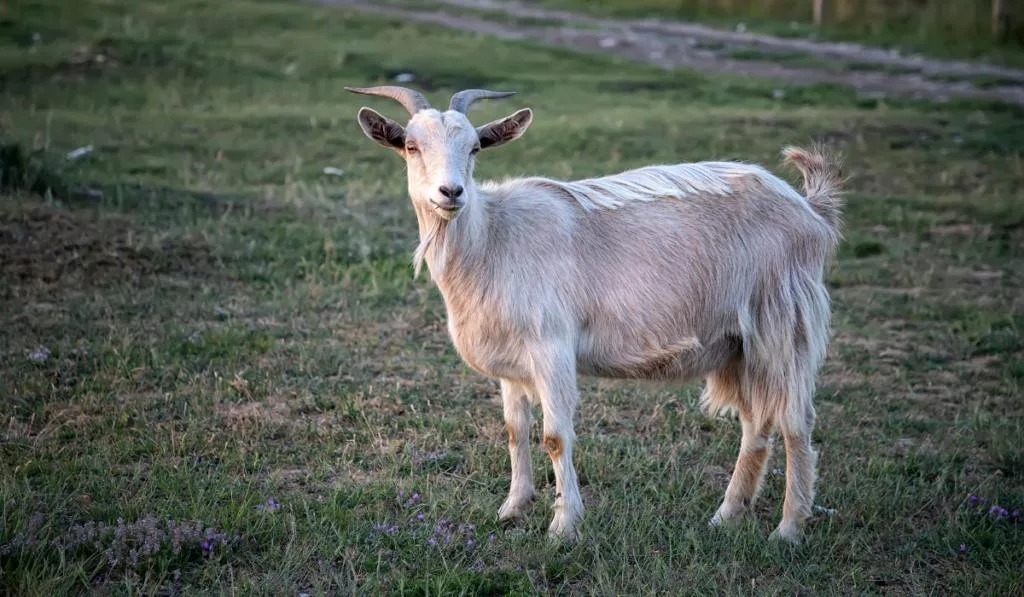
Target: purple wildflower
39 355
271 505
963 549
432 542
383 527
998 512
973 500
1015 515
478 566
207 547
490 538
441 527
470 542
421 517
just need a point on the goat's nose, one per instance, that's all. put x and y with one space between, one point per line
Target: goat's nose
451 192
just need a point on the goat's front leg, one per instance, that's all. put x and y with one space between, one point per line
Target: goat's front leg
515 398
556 385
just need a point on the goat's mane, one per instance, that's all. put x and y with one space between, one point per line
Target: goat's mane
651 183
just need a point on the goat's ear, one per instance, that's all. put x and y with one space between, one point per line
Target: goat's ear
381 129
505 129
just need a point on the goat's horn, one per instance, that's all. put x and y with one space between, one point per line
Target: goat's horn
462 100
411 100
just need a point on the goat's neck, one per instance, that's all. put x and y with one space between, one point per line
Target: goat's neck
451 244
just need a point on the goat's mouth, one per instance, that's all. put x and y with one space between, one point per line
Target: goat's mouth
447 208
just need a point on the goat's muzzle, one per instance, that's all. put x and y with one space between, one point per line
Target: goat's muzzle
448 205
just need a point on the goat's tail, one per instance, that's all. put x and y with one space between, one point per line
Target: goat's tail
823 181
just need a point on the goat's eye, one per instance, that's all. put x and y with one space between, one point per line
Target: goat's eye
475 150
411 148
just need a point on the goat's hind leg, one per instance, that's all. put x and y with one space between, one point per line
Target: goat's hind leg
723 390
516 403
801 464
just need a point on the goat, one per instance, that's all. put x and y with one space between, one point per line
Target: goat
672 273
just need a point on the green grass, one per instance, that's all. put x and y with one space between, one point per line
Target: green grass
227 325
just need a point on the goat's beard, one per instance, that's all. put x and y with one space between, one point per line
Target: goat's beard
435 234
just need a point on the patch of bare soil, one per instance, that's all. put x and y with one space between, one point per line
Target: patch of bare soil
873 72
46 245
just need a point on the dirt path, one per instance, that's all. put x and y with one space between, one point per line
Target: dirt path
872 71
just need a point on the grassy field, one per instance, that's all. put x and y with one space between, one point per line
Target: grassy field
219 375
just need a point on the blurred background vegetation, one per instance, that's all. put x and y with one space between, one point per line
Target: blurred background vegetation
965 27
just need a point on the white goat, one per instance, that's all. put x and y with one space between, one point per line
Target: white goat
712 269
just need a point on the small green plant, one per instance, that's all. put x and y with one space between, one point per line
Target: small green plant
25 172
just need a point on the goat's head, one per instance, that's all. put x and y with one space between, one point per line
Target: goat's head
439 148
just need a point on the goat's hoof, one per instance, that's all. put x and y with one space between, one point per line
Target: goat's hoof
514 510
564 528
786 535
563 536
510 514
726 516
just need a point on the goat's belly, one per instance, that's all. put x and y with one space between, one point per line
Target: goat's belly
683 361
489 353
495 365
